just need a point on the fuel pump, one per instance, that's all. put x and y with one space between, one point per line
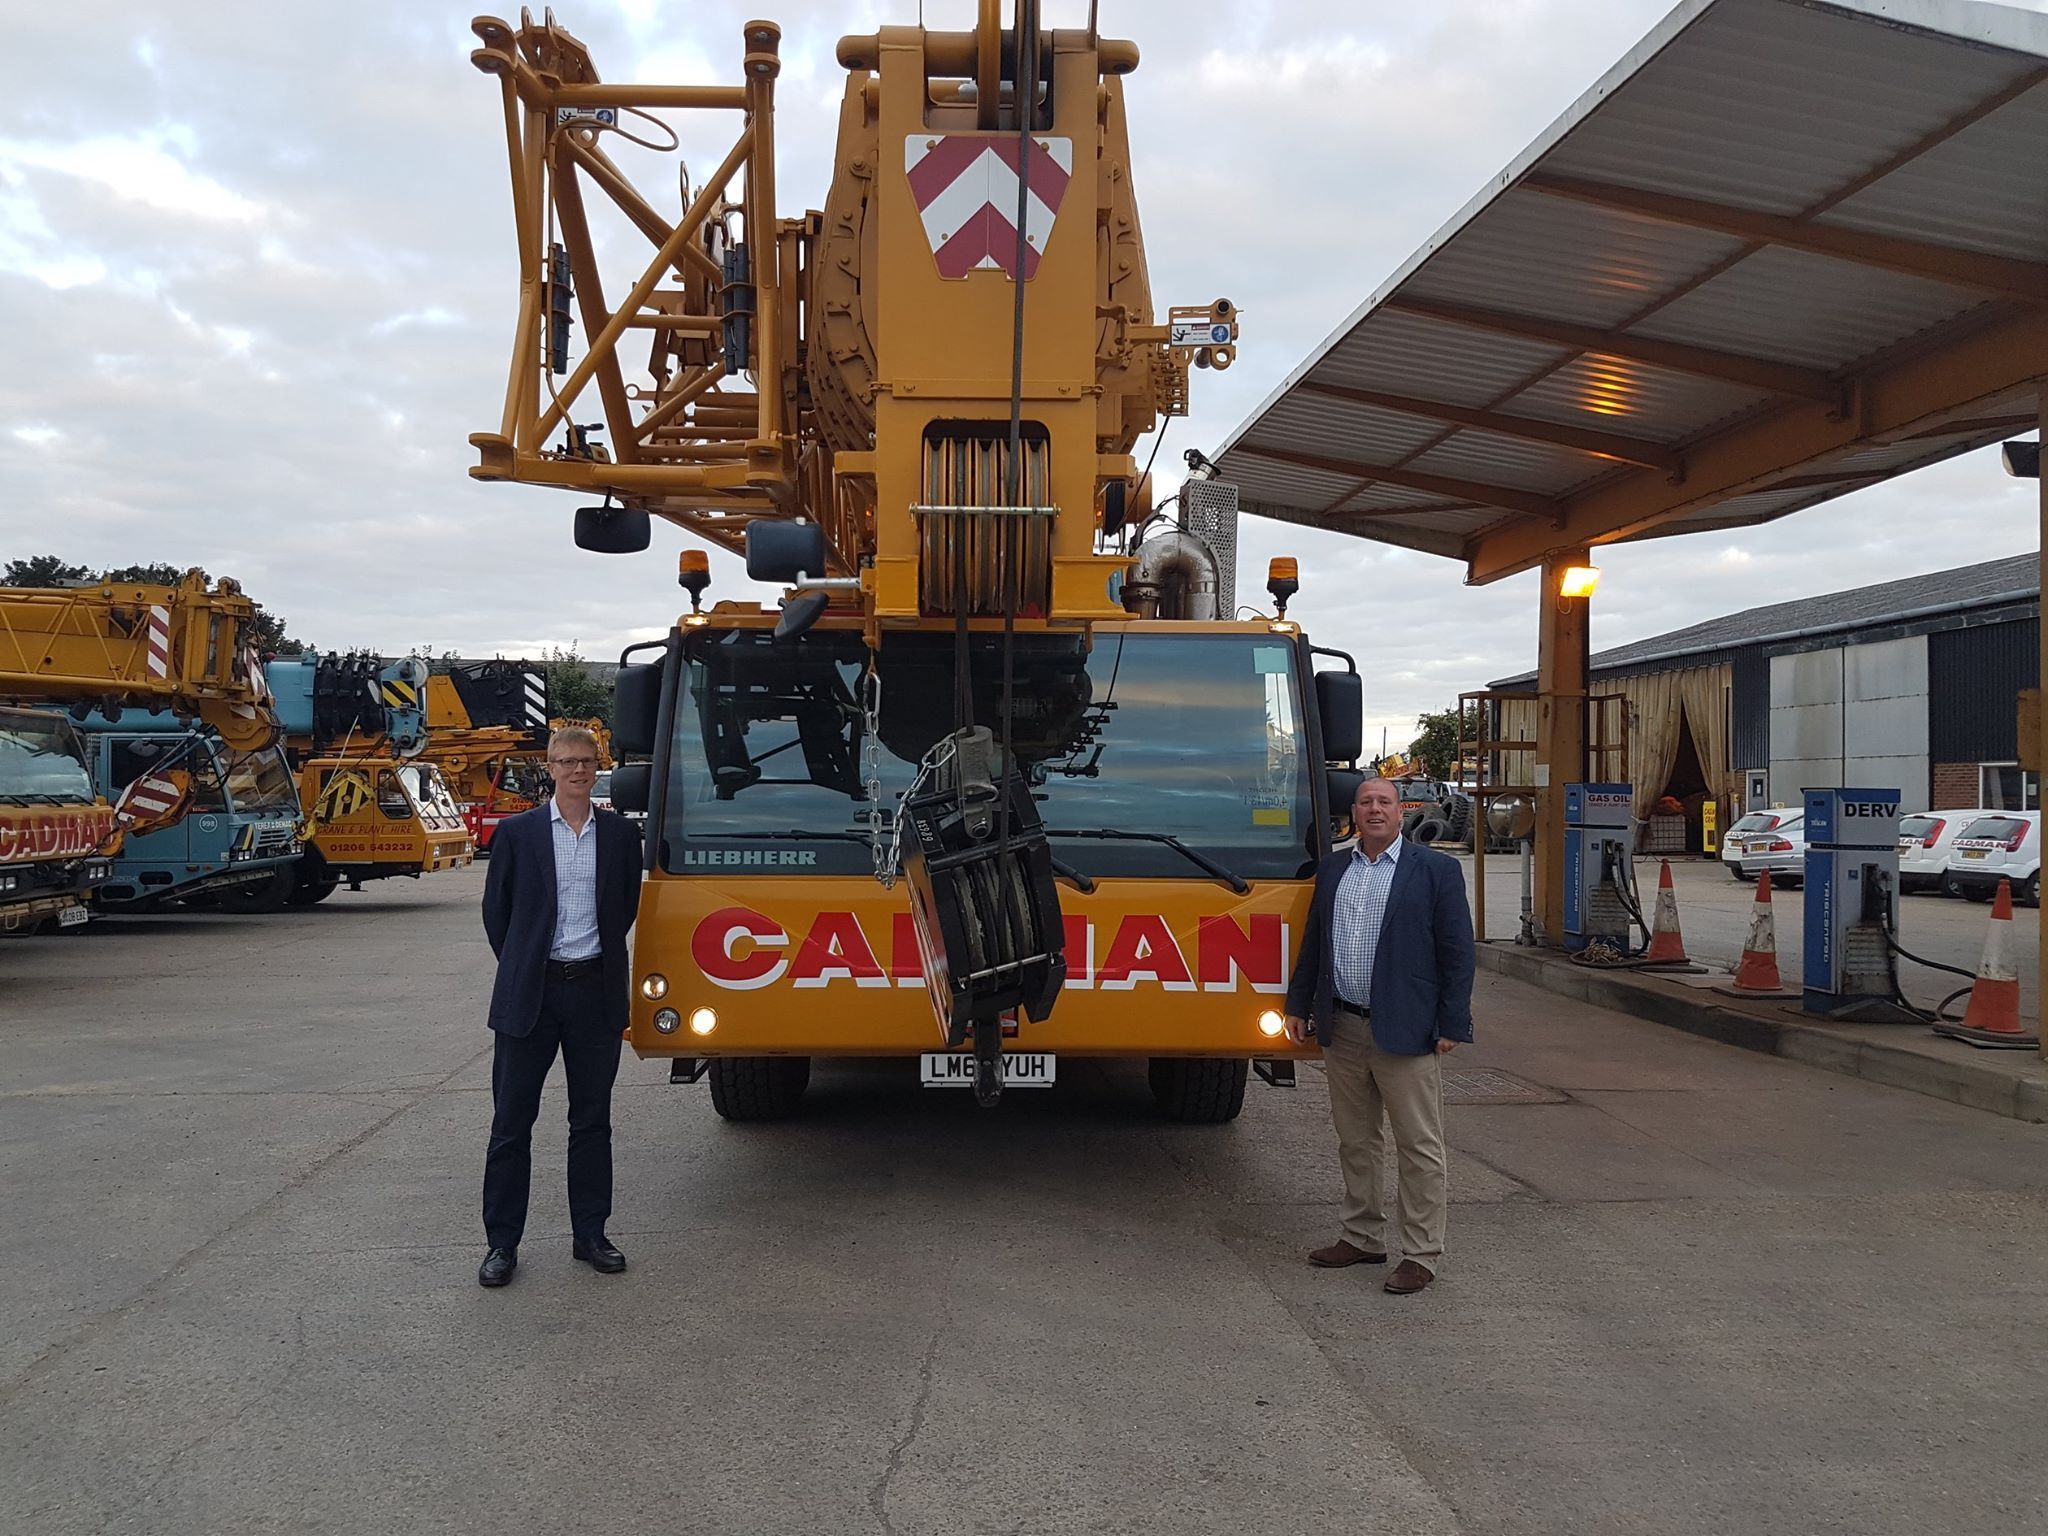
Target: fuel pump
1599 877
1852 922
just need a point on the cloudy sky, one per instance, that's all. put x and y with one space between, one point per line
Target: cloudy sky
257 283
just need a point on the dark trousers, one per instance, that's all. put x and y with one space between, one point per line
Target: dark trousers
572 1021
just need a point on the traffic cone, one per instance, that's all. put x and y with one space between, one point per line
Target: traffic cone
1758 971
1993 1015
1667 944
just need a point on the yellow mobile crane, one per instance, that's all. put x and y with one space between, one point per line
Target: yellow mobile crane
168 696
917 408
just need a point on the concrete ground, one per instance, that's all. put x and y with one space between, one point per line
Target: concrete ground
1696 1290
1714 911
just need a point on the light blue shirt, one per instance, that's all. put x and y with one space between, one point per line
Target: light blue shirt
575 887
1360 909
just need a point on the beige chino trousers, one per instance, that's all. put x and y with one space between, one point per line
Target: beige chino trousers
1366 1082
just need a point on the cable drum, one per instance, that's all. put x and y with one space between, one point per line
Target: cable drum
971 470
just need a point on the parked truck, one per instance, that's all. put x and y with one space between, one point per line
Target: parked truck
996 663
168 695
488 726
375 808
57 832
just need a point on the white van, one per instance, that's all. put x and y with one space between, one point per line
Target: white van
1925 838
1998 845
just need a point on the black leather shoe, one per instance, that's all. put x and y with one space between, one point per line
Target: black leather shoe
600 1255
497 1267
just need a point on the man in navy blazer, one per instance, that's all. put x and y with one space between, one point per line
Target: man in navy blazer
563 889
1384 982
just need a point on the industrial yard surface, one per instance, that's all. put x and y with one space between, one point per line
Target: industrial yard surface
1690 1289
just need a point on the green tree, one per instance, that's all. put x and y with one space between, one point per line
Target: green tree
573 694
152 574
42 571
266 633
1436 745
266 630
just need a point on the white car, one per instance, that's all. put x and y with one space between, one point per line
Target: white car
601 791
1999 845
1925 838
1773 840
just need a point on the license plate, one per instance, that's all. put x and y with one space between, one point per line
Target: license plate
1976 853
955 1069
71 917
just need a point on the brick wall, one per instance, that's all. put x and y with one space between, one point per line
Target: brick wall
1952 786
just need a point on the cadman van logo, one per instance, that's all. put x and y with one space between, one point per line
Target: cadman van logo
749 858
54 834
740 950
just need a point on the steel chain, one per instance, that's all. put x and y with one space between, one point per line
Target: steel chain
887 851
871 769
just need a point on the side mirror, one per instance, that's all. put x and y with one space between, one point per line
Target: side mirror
612 530
636 710
800 613
1340 701
630 785
1342 784
778 552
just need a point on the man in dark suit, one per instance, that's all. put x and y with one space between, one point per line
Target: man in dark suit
563 889
1384 982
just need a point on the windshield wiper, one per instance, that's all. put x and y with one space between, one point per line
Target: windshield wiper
1193 856
787 837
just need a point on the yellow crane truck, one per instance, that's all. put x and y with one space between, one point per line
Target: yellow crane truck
995 666
355 730
167 693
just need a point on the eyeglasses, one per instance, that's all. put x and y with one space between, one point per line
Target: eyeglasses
573 764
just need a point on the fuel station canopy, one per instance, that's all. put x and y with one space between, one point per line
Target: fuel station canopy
1783 250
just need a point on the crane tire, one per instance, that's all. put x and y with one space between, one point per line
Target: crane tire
758 1087
1199 1090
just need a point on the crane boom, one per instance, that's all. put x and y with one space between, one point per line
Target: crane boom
851 369
188 648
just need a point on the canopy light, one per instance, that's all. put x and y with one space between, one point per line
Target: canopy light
2022 459
1578 581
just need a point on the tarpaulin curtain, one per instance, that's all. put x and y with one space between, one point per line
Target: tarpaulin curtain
1662 703
1704 692
1653 709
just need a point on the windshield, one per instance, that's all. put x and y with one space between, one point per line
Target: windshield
1993 829
1756 821
40 759
1918 828
429 790
259 780
1196 736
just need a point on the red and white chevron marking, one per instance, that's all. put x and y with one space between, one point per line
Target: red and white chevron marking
256 677
148 799
159 642
965 187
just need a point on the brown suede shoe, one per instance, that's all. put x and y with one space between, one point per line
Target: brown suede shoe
1342 1254
1408 1278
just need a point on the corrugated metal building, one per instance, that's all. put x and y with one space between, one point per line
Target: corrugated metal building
1909 683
